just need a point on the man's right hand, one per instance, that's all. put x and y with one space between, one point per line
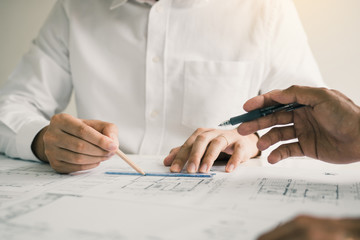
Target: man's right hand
327 129
70 144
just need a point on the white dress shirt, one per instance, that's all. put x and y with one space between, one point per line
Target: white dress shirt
158 71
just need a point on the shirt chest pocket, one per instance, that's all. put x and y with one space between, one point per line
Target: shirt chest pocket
214 91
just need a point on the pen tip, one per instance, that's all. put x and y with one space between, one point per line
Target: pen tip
224 123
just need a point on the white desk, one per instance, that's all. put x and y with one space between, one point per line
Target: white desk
36 203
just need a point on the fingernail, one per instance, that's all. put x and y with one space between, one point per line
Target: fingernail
175 168
191 168
112 147
230 168
203 168
113 136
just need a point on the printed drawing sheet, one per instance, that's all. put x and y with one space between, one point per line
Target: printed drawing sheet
37 203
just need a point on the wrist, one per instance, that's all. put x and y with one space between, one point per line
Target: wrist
38 146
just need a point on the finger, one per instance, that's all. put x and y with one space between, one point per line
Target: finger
64 167
266 122
285 151
78 159
260 101
239 156
170 158
106 128
216 146
69 142
293 229
83 131
111 131
184 152
284 232
276 135
180 158
301 94
200 145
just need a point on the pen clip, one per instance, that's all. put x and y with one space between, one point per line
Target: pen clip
272 109
294 106
280 107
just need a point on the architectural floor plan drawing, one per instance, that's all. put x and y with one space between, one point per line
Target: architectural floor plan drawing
292 190
37 203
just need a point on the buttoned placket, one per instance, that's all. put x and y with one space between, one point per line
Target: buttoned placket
155 78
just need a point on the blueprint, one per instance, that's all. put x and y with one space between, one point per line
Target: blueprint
37 203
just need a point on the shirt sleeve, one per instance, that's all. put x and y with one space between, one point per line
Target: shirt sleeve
289 60
39 87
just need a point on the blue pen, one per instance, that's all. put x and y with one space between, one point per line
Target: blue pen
258 113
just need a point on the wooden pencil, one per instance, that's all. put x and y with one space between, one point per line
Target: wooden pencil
128 161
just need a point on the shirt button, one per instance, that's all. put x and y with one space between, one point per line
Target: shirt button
156 59
154 114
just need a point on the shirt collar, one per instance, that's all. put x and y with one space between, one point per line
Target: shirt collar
118 3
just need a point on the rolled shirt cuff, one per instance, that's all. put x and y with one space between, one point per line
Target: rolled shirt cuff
26 136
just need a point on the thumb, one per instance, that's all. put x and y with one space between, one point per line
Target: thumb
111 131
108 129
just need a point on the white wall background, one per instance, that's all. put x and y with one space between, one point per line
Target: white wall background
333 27
20 21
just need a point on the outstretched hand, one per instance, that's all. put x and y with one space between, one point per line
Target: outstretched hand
327 129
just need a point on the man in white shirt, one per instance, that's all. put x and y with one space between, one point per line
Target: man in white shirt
158 71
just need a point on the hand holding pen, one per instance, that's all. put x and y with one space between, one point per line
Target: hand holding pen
258 113
328 128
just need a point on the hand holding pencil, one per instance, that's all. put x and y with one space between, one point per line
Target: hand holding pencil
71 144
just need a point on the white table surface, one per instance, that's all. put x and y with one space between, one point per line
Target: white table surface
37 203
